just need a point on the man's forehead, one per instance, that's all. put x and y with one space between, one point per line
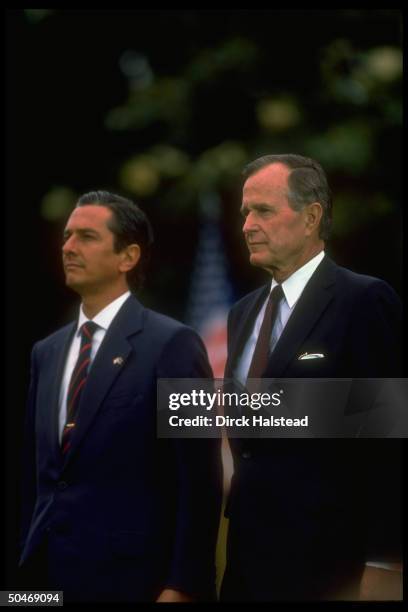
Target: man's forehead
269 182
274 175
91 215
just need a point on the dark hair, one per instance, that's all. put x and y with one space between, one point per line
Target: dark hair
129 225
307 183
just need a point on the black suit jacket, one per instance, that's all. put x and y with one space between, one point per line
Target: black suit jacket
303 512
124 514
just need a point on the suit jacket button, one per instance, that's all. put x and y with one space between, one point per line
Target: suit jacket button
246 454
61 485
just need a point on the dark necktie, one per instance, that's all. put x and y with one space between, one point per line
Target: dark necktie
261 352
77 382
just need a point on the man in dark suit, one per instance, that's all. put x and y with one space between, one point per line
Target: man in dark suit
305 516
110 512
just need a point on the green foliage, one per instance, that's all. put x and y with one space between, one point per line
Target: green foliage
207 91
34 16
354 103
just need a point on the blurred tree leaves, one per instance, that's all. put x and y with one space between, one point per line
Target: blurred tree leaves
346 146
168 99
278 114
197 94
358 98
165 100
36 15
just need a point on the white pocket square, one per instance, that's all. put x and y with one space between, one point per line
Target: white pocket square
311 356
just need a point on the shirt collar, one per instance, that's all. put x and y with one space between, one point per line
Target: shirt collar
294 285
105 317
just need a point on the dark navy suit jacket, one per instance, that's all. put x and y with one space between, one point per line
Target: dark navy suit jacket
124 514
305 512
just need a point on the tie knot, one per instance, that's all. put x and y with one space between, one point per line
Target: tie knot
276 294
88 329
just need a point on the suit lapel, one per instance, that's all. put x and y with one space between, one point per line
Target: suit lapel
316 296
108 363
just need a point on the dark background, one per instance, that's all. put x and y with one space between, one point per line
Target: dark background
165 106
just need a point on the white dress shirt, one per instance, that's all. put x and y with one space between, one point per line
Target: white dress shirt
104 318
292 289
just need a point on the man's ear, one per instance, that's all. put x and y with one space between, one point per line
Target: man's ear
313 215
129 257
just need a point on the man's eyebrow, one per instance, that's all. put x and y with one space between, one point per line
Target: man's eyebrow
257 206
81 230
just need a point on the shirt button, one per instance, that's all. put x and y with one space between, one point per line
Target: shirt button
246 455
61 485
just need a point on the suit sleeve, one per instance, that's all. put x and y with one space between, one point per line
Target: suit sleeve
199 481
378 329
28 476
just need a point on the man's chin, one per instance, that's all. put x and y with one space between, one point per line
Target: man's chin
256 259
72 283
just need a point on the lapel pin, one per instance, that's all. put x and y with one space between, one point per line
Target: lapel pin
118 361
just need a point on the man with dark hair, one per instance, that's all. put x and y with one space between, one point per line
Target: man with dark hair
110 512
128 225
305 515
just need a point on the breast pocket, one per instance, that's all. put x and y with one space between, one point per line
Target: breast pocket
312 368
121 403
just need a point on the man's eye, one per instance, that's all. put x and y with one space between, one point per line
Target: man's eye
265 211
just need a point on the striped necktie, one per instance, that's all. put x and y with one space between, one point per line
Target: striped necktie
77 382
261 352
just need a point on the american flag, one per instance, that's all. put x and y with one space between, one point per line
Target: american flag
210 294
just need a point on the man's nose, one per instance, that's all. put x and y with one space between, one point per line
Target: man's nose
69 245
249 225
